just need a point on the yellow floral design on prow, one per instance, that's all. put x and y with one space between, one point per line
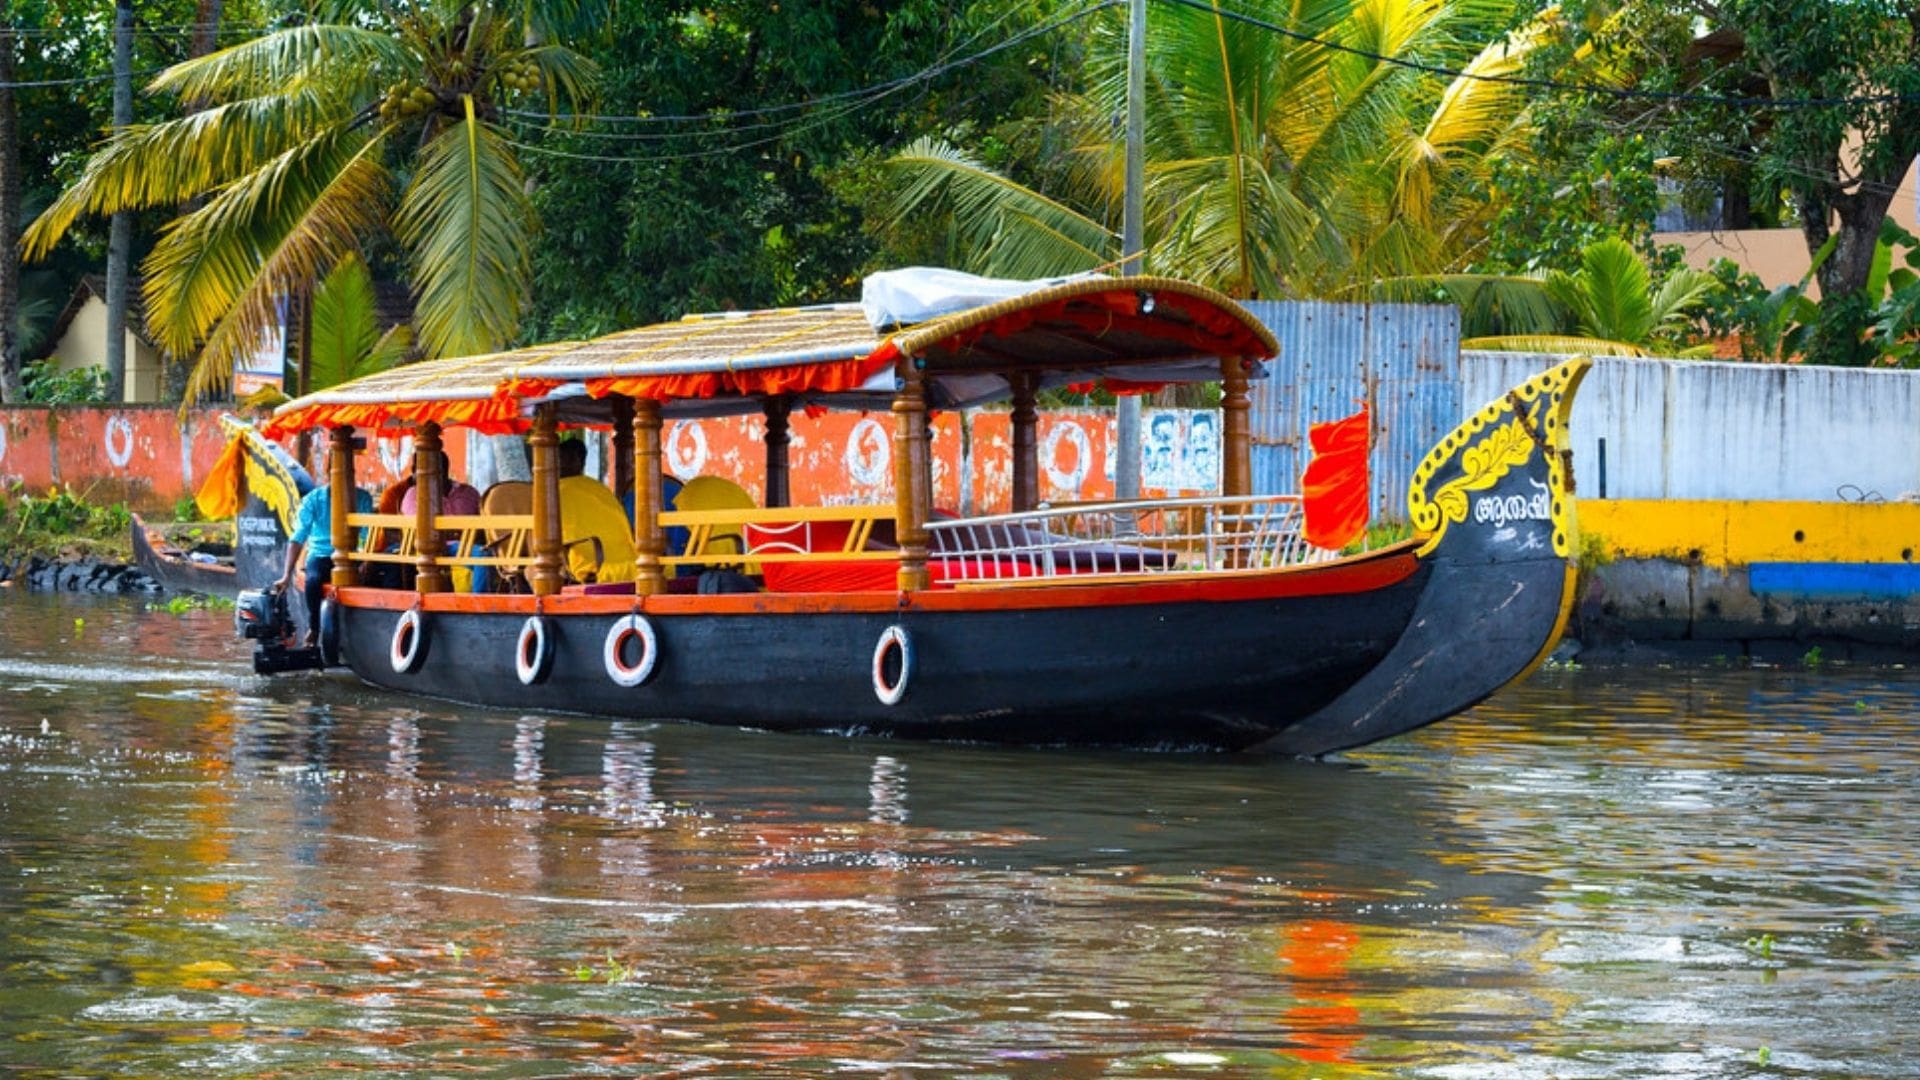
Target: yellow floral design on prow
1481 466
1548 400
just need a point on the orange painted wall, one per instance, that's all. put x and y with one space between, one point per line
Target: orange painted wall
143 456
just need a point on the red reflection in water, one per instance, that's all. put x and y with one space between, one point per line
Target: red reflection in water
1324 1027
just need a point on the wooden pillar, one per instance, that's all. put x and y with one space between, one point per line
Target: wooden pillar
544 446
340 504
1026 444
428 477
623 449
912 475
649 540
777 409
1236 473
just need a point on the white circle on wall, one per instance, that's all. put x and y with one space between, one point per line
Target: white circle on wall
3 442
686 449
119 441
396 456
869 453
1068 479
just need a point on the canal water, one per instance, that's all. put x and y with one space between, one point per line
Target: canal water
1654 873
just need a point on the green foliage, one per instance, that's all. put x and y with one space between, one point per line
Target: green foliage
1274 167
740 211
186 508
1611 306
46 384
26 519
1581 187
1833 169
183 603
1878 324
346 339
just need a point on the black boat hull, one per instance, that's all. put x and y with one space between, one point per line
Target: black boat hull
1224 673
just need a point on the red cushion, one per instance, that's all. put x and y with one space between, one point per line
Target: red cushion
785 537
882 575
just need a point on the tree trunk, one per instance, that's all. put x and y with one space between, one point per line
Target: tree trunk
120 235
206 37
11 390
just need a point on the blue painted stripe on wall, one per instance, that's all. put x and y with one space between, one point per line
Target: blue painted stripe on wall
1891 581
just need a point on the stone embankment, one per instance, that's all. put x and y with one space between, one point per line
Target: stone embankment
41 574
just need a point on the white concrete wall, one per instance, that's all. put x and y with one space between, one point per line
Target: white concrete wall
1695 429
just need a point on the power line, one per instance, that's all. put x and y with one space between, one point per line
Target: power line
1676 96
150 29
77 81
925 74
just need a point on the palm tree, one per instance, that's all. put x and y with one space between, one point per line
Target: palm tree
1276 165
384 121
1610 307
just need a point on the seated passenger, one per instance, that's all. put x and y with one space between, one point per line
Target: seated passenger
676 535
589 511
460 499
456 498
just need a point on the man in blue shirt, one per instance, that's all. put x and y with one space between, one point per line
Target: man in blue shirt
313 532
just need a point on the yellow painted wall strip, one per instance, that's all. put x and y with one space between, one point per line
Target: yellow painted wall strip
1736 533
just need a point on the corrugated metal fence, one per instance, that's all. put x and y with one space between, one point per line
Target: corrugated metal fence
1402 360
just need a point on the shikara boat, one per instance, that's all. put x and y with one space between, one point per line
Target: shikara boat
1187 622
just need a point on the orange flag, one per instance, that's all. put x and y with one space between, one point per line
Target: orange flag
1334 490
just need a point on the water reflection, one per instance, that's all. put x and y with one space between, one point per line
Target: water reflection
1657 874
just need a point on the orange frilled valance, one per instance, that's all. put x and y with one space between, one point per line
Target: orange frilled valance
497 415
830 377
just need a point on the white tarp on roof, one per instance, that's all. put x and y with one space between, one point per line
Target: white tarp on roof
894 298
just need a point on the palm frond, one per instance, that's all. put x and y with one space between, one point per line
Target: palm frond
468 226
327 56
1005 228
572 81
1616 289
223 271
1556 344
163 165
1683 290
1491 305
344 341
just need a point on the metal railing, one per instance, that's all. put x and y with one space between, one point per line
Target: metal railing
1142 537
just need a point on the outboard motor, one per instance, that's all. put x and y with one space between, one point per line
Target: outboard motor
262 616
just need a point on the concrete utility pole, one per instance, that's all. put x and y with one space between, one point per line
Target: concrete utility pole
120 233
1126 469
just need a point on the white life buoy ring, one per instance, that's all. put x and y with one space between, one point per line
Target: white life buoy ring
893 637
3 442
409 634
629 627
119 441
533 654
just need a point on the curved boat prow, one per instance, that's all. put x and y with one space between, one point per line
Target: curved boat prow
1495 502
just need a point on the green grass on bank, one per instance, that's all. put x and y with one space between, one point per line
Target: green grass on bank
62 522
